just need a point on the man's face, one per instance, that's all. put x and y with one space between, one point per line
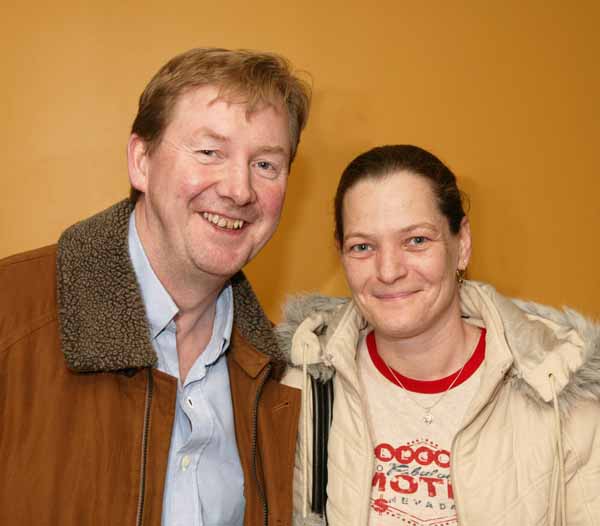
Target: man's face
214 187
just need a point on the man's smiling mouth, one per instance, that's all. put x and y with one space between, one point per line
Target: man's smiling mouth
223 222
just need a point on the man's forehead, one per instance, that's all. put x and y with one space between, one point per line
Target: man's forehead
253 100
188 110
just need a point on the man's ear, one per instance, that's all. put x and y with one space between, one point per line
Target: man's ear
137 162
464 243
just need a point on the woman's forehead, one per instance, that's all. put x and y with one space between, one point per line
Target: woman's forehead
402 194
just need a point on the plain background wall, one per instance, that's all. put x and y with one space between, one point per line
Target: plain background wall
506 92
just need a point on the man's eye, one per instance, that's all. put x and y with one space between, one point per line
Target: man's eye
208 153
266 169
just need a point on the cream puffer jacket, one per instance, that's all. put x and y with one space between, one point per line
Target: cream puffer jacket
528 451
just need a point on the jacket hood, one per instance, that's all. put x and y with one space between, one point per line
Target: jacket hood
102 316
536 341
543 342
326 311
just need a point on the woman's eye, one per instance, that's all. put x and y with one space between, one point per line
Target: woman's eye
417 241
360 247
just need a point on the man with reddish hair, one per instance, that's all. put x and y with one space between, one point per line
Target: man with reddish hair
140 377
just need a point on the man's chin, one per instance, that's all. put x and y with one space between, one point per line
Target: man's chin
223 268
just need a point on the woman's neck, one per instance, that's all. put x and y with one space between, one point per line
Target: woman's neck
432 354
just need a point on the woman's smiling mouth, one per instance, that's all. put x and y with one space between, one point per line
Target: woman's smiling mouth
389 296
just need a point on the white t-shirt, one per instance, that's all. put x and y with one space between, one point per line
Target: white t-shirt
411 478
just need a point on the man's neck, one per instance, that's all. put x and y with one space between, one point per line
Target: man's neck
193 335
194 292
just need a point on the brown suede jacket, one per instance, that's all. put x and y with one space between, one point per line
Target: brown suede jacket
85 417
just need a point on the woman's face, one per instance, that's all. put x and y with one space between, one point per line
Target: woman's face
400 257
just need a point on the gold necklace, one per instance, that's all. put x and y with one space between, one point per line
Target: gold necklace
427 417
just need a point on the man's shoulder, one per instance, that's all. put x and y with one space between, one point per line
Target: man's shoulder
99 231
26 271
31 257
28 299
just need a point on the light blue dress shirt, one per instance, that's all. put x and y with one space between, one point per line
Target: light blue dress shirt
204 481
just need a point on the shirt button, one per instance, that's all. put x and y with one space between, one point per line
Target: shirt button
185 462
190 403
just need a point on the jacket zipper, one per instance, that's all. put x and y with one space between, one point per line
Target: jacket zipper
254 445
454 445
145 433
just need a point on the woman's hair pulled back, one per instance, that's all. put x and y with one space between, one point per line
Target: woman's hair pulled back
384 161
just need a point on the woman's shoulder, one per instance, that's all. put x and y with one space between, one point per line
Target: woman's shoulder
309 321
555 352
304 308
301 306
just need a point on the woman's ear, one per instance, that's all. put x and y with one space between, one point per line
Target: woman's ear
464 243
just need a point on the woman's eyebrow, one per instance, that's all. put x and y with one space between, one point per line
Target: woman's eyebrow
405 230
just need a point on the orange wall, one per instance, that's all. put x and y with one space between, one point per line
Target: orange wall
506 92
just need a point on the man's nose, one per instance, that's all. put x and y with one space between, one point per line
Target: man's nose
236 185
391 264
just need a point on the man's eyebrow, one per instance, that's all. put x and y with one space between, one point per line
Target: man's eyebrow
211 134
280 150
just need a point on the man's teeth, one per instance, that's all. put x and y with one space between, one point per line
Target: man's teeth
223 222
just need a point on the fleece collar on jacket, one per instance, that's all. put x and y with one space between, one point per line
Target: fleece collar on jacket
102 316
533 340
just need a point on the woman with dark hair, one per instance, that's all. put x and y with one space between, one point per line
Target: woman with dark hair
452 404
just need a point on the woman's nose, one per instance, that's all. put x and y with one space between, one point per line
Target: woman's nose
391 265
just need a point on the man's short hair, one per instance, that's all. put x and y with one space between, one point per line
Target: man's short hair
249 77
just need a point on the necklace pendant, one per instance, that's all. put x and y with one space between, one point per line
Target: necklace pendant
428 418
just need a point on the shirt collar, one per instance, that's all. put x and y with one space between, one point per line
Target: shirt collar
222 326
160 307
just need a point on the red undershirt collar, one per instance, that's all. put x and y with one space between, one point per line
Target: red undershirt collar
429 386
